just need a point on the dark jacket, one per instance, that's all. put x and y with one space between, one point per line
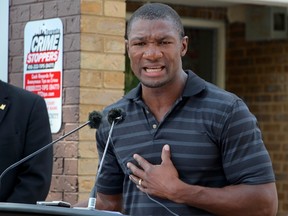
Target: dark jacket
24 128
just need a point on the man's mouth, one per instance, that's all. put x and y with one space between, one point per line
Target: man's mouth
153 69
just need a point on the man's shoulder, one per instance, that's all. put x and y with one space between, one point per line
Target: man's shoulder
20 97
120 104
225 95
16 91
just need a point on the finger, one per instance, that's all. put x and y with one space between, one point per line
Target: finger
142 162
135 170
137 181
166 155
134 179
143 189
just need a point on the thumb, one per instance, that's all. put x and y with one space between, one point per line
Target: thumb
165 156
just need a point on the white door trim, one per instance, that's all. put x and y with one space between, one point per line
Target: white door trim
220 43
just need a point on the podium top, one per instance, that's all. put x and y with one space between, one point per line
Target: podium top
28 209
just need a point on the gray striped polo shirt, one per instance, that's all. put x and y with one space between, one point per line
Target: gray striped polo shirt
214 141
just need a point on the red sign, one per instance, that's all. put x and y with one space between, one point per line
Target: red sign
45 84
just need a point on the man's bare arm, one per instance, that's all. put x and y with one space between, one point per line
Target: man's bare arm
109 202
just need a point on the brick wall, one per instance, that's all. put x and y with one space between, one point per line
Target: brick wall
102 74
93 65
258 72
64 184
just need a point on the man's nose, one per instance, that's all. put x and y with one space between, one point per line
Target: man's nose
152 53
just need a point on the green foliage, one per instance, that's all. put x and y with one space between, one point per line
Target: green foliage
130 79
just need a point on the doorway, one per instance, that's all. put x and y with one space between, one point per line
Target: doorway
201 53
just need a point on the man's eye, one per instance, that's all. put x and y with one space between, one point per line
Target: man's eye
139 44
164 42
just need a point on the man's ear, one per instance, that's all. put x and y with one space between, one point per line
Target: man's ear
127 47
184 45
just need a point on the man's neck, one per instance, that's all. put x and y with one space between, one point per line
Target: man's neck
161 100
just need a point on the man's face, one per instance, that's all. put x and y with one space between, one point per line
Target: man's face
155 50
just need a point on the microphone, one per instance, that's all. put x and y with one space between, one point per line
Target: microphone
115 116
94 121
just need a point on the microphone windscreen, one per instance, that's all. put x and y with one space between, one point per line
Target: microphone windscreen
95 119
116 114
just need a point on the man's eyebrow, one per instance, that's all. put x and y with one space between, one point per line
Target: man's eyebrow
136 38
164 37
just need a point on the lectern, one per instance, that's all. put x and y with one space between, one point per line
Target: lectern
17 209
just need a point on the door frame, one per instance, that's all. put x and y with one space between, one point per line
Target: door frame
219 27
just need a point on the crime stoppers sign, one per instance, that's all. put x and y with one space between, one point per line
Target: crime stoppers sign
43 58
